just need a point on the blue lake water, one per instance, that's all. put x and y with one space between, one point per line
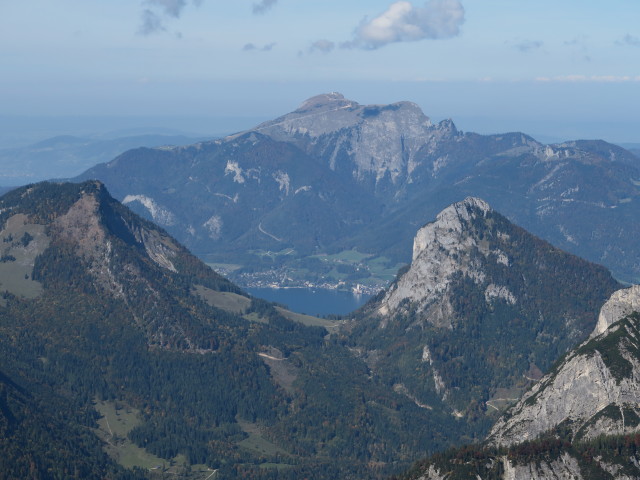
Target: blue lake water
317 302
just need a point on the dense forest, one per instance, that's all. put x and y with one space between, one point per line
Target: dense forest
113 323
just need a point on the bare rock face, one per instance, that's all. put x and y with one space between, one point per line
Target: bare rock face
564 467
440 250
594 391
622 303
372 141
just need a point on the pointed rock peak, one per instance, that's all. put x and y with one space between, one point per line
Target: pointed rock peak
464 210
447 126
440 250
470 203
451 219
325 101
622 303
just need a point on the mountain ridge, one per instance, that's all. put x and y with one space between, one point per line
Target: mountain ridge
375 168
126 320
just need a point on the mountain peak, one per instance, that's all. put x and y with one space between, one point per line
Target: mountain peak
373 142
440 250
622 302
470 242
453 218
325 100
483 303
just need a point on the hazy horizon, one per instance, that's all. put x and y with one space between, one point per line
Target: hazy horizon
550 69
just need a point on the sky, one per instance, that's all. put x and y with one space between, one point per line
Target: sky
557 69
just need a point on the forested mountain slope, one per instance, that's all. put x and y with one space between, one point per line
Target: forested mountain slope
108 313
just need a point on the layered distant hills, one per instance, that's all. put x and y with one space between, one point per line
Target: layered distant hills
115 340
338 178
67 155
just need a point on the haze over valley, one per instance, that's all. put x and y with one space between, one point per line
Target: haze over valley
282 240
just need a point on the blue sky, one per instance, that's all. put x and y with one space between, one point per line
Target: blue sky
557 68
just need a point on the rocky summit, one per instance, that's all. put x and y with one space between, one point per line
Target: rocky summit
372 142
443 250
580 421
483 308
593 391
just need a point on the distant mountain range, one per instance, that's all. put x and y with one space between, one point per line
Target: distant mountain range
65 156
285 202
115 339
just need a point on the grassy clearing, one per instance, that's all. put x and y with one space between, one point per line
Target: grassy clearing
257 444
379 267
20 243
231 302
117 421
306 319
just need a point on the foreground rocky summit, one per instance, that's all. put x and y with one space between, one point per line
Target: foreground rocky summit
593 391
582 420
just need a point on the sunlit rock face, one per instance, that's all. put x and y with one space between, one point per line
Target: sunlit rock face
594 391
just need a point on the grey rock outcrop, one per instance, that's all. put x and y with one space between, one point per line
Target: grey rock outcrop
622 303
478 288
595 390
369 140
440 250
563 467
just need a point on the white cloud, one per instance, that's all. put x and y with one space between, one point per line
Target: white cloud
263 6
323 46
529 45
152 21
404 22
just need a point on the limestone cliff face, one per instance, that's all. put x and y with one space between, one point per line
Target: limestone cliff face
595 390
560 467
622 303
371 141
440 250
